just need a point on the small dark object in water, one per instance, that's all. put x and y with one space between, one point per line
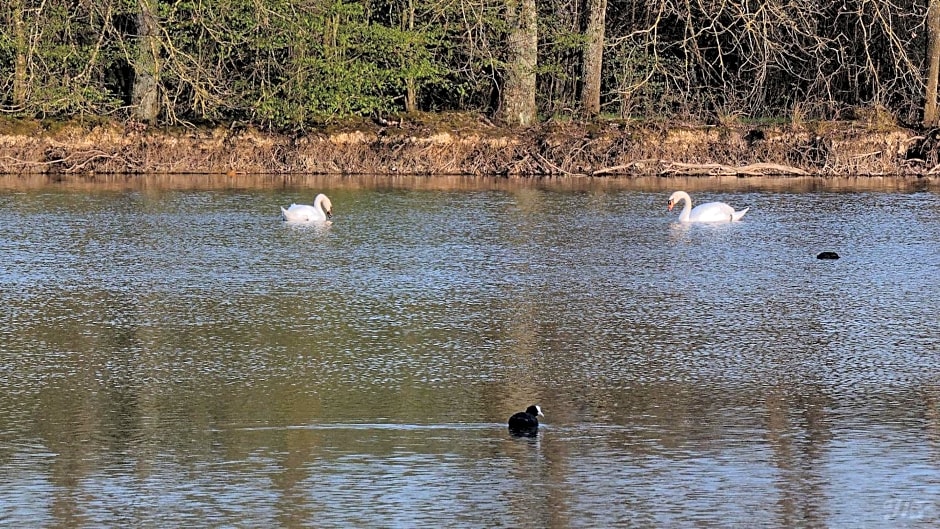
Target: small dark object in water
526 423
827 255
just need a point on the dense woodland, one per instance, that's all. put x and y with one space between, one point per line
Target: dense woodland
287 65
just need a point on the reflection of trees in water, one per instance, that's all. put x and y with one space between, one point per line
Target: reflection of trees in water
798 432
167 181
90 406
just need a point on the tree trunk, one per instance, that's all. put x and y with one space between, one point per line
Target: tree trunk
411 93
933 63
593 57
517 101
20 86
145 96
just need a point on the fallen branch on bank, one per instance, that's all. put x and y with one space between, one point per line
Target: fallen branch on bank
756 169
75 162
622 169
554 168
708 169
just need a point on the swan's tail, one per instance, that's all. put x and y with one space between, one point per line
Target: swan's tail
738 214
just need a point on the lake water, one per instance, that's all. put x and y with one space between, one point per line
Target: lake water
172 354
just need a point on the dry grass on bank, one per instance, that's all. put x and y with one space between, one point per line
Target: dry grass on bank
471 145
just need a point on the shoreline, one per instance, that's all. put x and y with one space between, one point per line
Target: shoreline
473 147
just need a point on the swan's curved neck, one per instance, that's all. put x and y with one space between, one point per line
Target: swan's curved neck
686 207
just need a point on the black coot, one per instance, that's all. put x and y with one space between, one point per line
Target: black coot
526 423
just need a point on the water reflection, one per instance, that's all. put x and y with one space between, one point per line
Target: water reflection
310 184
178 355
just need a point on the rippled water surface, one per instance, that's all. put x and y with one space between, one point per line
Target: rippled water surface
176 355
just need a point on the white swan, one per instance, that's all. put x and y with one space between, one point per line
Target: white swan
320 211
708 212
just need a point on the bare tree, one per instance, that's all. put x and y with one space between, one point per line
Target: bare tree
933 63
411 92
20 87
517 100
146 91
593 57
767 58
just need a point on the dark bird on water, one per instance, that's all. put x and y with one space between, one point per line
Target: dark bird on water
526 423
827 255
